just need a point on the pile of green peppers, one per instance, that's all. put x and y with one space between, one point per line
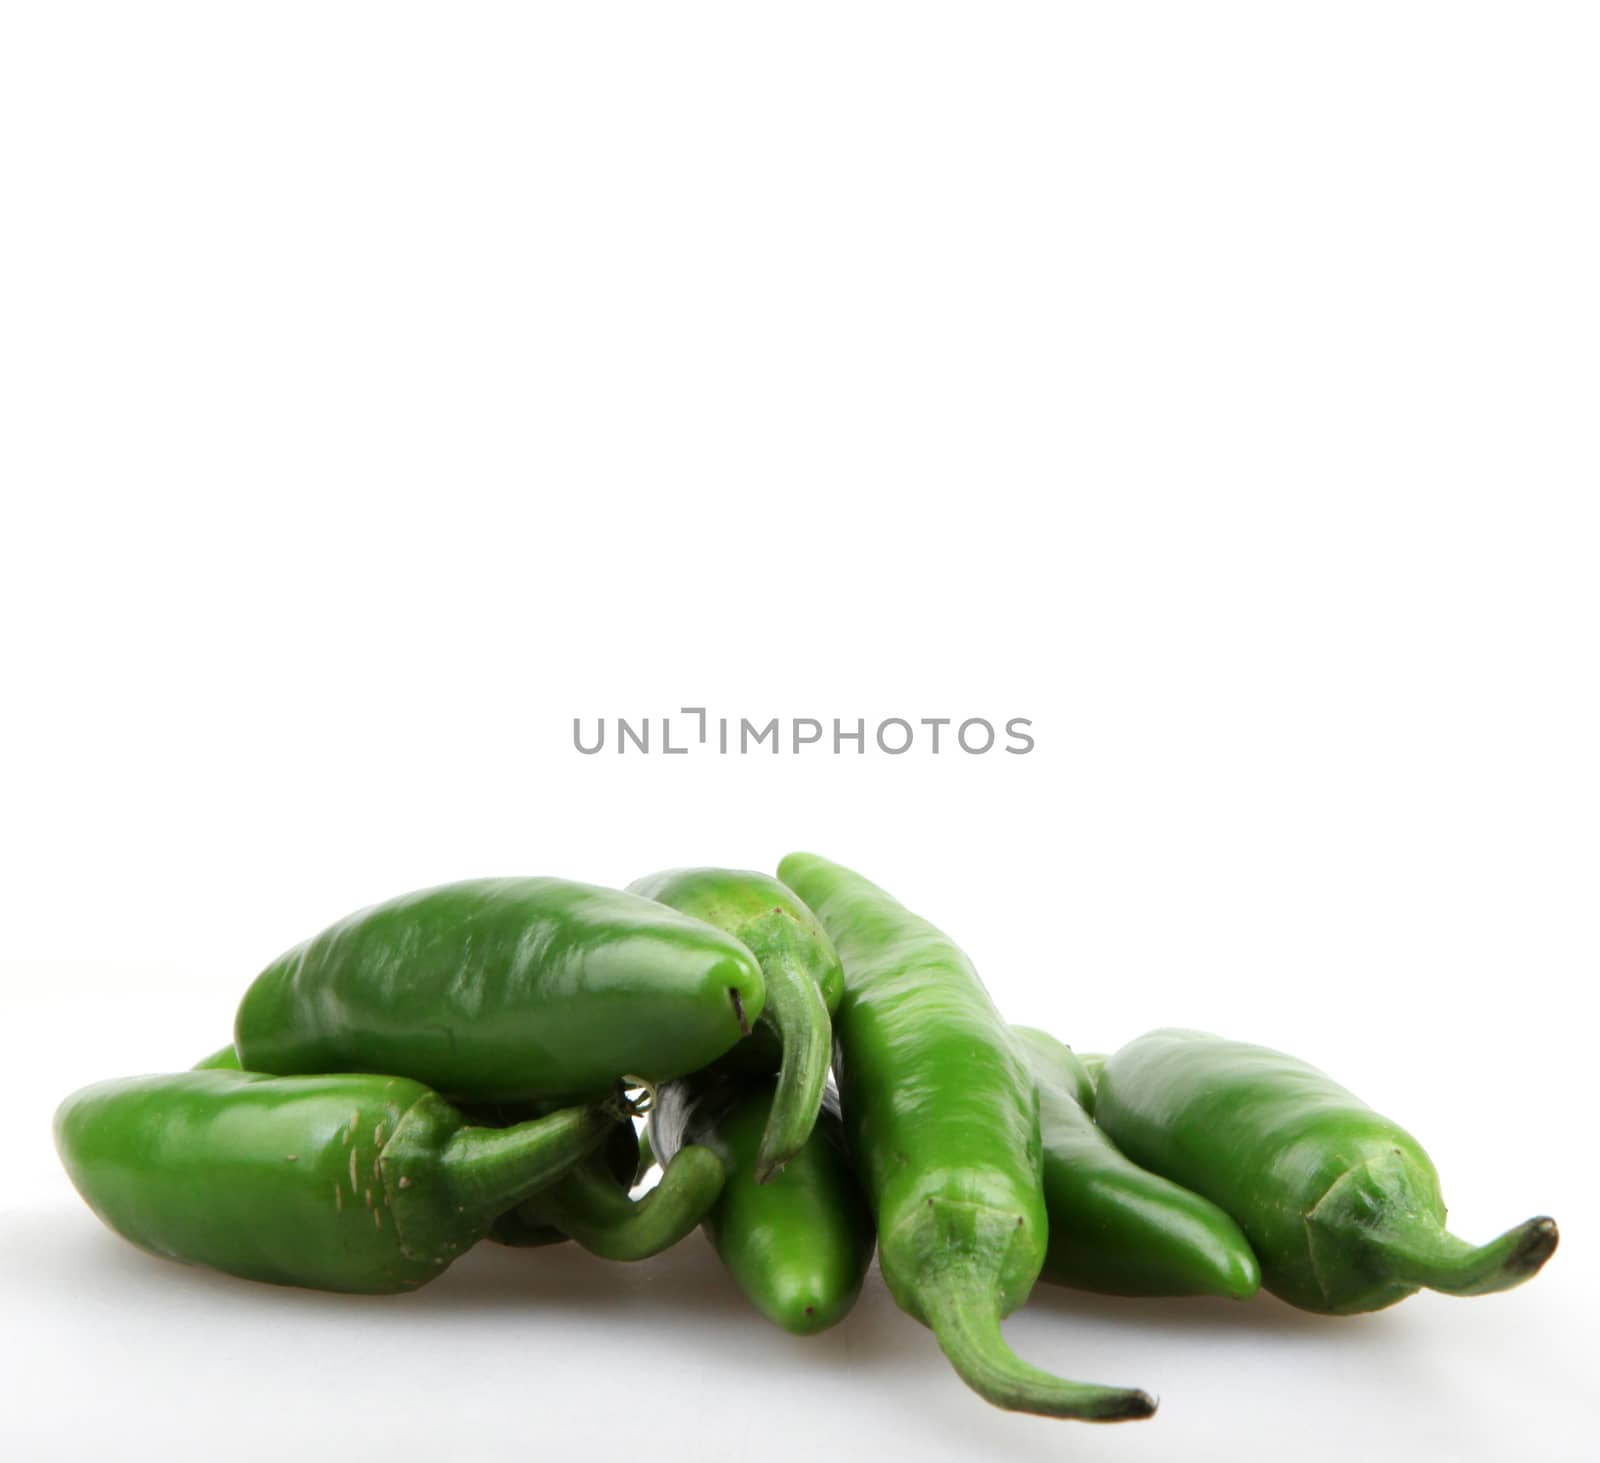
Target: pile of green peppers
824 1075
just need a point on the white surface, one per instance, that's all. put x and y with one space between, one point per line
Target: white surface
1214 386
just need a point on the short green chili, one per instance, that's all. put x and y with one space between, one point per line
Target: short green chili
590 1204
803 983
1341 1205
347 1182
1115 1227
505 990
942 1119
798 1245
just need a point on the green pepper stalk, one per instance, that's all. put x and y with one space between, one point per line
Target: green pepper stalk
1341 1205
1116 1228
348 1182
592 1204
593 1208
799 1245
505 990
942 1119
526 1227
803 982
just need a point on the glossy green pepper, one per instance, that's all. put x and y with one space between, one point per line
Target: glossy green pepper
1341 1205
803 981
1115 1227
799 1245
942 1119
505 990
347 1182
590 1204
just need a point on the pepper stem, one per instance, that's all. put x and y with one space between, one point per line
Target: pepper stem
1421 1253
595 1210
966 1321
490 1170
797 1013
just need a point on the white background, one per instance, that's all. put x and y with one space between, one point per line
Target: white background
1214 385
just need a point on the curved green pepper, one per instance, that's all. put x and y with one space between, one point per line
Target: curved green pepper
803 980
943 1124
1341 1206
1115 1227
348 1182
505 990
591 1204
799 1245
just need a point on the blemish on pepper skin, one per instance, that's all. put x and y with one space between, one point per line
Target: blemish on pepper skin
355 1183
292 1157
338 1198
377 1217
405 1183
377 1135
369 1198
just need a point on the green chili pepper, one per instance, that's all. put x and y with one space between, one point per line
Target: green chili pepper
943 1125
1341 1205
1114 1227
347 1182
505 989
591 1204
803 982
799 1245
